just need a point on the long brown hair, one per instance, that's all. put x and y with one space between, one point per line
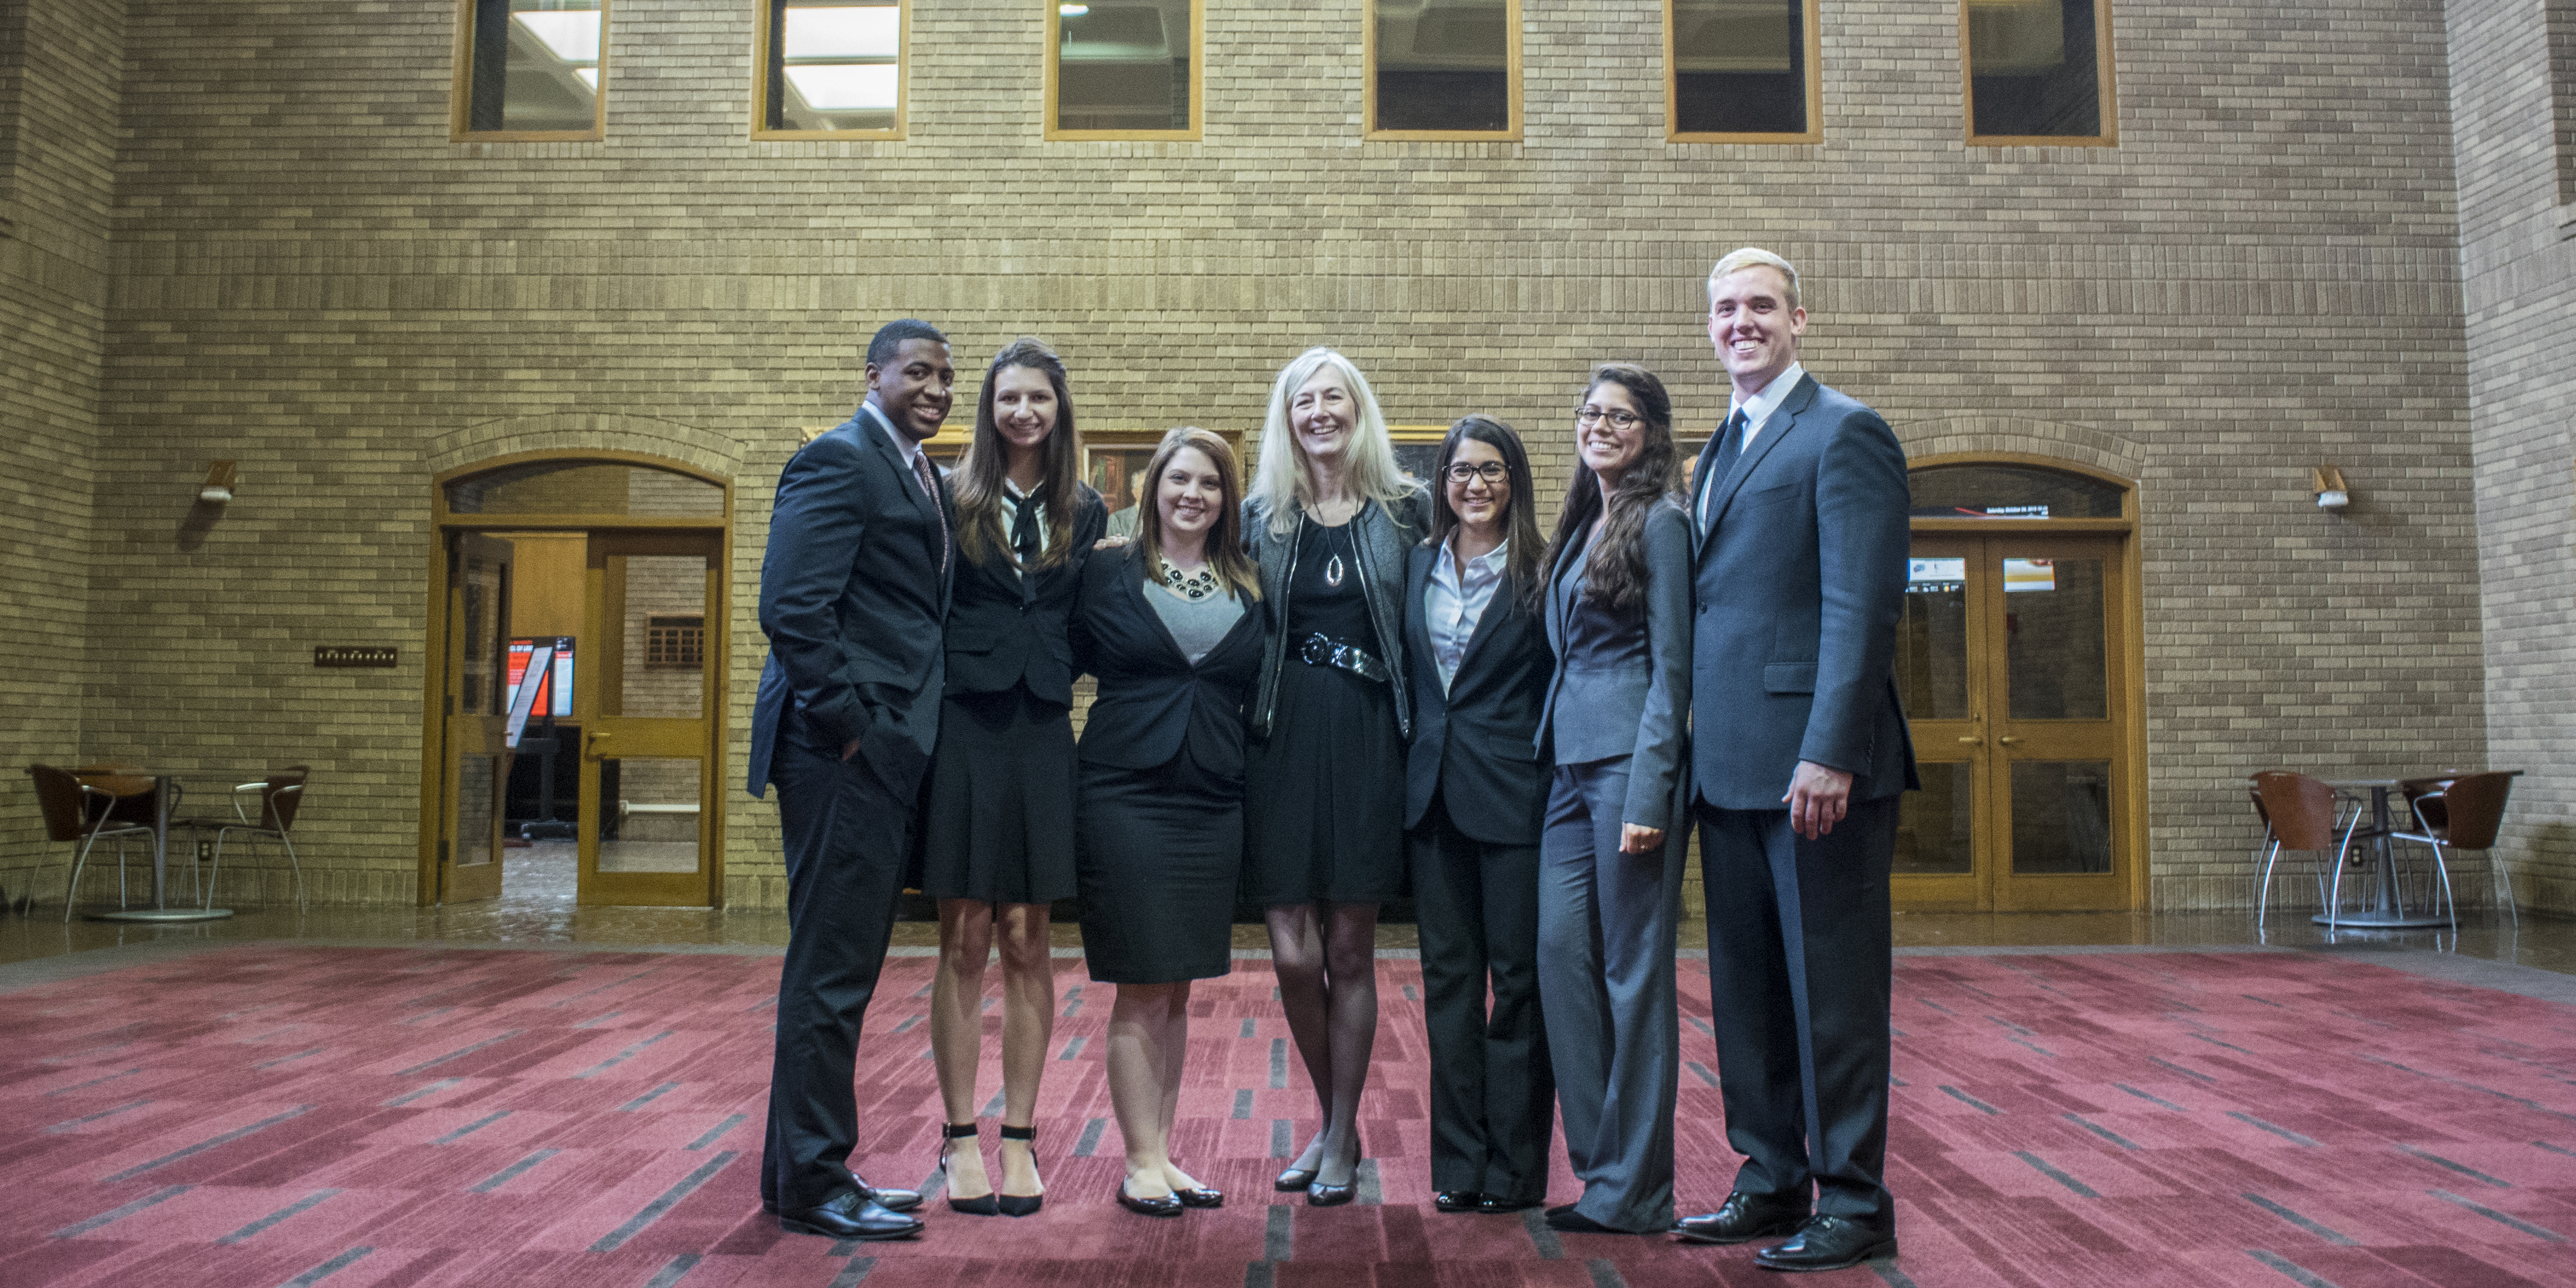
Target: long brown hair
1233 568
1616 571
1520 510
978 480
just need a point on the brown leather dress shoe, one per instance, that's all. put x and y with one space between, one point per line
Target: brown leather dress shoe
1743 1218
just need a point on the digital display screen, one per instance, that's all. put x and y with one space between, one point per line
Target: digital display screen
549 693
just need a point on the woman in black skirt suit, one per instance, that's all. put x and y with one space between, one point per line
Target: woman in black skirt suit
1331 521
1169 625
999 833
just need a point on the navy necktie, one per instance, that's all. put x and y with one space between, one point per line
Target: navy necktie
1024 528
1729 447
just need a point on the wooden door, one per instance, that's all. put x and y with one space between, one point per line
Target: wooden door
646 705
477 717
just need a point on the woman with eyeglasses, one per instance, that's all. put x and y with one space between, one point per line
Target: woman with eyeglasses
1331 521
1474 802
1613 734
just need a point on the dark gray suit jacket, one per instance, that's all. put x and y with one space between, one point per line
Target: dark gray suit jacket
852 594
1474 746
1800 582
1623 688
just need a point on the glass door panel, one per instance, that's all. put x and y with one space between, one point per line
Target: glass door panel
476 729
1939 675
647 719
2057 743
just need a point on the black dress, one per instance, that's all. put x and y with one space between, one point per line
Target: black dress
1000 821
1161 820
1324 804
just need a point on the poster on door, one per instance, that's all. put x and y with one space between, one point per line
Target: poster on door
2029 574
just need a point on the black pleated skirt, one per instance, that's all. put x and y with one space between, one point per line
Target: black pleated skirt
1160 849
999 827
1324 798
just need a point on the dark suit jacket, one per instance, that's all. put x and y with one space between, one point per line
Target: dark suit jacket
1152 704
1800 583
1474 747
1622 686
851 598
1005 628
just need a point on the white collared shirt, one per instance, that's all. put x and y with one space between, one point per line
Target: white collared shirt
910 451
1451 608
1757 413
1012 500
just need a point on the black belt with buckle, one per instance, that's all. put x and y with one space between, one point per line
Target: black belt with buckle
1319 650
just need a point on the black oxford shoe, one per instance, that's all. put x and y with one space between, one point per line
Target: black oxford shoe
1744 1217
850 1216
890 1200
1827 1243
1458 1201
1497 1205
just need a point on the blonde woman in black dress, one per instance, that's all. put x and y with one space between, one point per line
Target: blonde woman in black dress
999 836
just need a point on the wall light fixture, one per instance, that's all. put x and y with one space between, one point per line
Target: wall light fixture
2329 487
218 487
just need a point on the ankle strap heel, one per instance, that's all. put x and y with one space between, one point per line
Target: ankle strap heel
960 1131
1019 1133
1021 1204
984 1205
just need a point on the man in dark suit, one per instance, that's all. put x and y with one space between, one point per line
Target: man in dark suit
1801 751
852 593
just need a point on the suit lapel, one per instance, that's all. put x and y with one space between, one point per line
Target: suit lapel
1701 483
1781 424
874 424
1487 625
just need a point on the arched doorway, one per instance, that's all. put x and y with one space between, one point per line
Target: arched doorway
577 626
2020 659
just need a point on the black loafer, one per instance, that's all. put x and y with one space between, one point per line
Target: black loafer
850 1216
1743 1218
1496 1205
1827 1243
1459 1201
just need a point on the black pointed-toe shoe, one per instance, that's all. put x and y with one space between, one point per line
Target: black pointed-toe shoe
1743 1218
1459 1201
1022 1204
982 1204
1827 1243
1168 1205
850 1216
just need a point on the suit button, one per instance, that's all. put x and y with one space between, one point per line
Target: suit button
1703 610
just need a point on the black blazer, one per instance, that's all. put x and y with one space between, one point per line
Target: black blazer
1006 629
852 592
1152 704
1475 746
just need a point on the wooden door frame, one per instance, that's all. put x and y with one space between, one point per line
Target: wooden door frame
433 769
2130 641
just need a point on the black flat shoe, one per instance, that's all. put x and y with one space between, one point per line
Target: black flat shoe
981 1205
1294 1179
1200 1198
1459 1201
1827 1243
1495 1206
1168 1205
1022 1204
1743 1218
849 1216
1322 1195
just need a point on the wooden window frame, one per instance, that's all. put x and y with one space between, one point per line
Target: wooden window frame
460 94
1368 86
2106 84
1198 86
1815 87
763 14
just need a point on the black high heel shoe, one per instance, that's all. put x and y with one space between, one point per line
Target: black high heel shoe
984 1206
1021 1204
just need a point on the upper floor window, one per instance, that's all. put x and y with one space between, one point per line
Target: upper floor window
2038 71
1125 69
2561 19
1444 69
1741 71
530 69
830 68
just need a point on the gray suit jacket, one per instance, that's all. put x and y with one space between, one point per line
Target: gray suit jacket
1623 687
1800 582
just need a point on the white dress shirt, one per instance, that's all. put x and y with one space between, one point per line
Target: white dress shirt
1012 500
1757 413
1451 607
909 450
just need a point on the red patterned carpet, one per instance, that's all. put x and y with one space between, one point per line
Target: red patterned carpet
350 1117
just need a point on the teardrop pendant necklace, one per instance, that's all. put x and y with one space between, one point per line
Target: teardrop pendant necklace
1333 571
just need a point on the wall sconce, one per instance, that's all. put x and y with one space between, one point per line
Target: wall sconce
2330 490
218 487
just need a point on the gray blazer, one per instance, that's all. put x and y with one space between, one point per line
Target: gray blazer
1385 535
1800 581
1623 687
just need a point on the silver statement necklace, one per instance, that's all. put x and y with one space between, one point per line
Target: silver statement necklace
1192 586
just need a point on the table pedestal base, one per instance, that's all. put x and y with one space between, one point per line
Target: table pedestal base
2376 919
160 914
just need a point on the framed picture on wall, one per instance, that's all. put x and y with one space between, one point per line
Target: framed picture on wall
1114 462
1417 449
1686 450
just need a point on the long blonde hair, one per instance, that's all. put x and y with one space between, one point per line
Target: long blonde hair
1283 484
1234 569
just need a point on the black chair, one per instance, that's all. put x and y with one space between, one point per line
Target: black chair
2462 813
279 795
83 814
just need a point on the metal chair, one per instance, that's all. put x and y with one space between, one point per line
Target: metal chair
279 796
2461 813
78 812
2303 814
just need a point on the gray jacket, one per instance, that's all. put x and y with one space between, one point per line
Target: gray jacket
1385 535
1623 683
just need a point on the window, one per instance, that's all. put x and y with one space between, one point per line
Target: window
2038 71
1127 69
1741 71
1444 69
830 70
529 69
2561 19
674 643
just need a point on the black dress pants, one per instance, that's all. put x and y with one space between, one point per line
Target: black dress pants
1799 956
1493 1099
848 838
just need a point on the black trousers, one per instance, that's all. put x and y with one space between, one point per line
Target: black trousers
1493 1098
1799 958
848 838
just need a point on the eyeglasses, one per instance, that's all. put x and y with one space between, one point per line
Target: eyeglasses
1620 420
1463 473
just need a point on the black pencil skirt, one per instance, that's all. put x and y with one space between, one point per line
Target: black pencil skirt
1159 852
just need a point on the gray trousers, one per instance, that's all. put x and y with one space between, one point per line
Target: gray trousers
1605 970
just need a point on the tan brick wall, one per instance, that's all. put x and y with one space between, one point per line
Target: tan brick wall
2262 277
2519 279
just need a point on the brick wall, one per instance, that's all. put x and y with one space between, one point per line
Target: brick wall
2518 268
308 276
